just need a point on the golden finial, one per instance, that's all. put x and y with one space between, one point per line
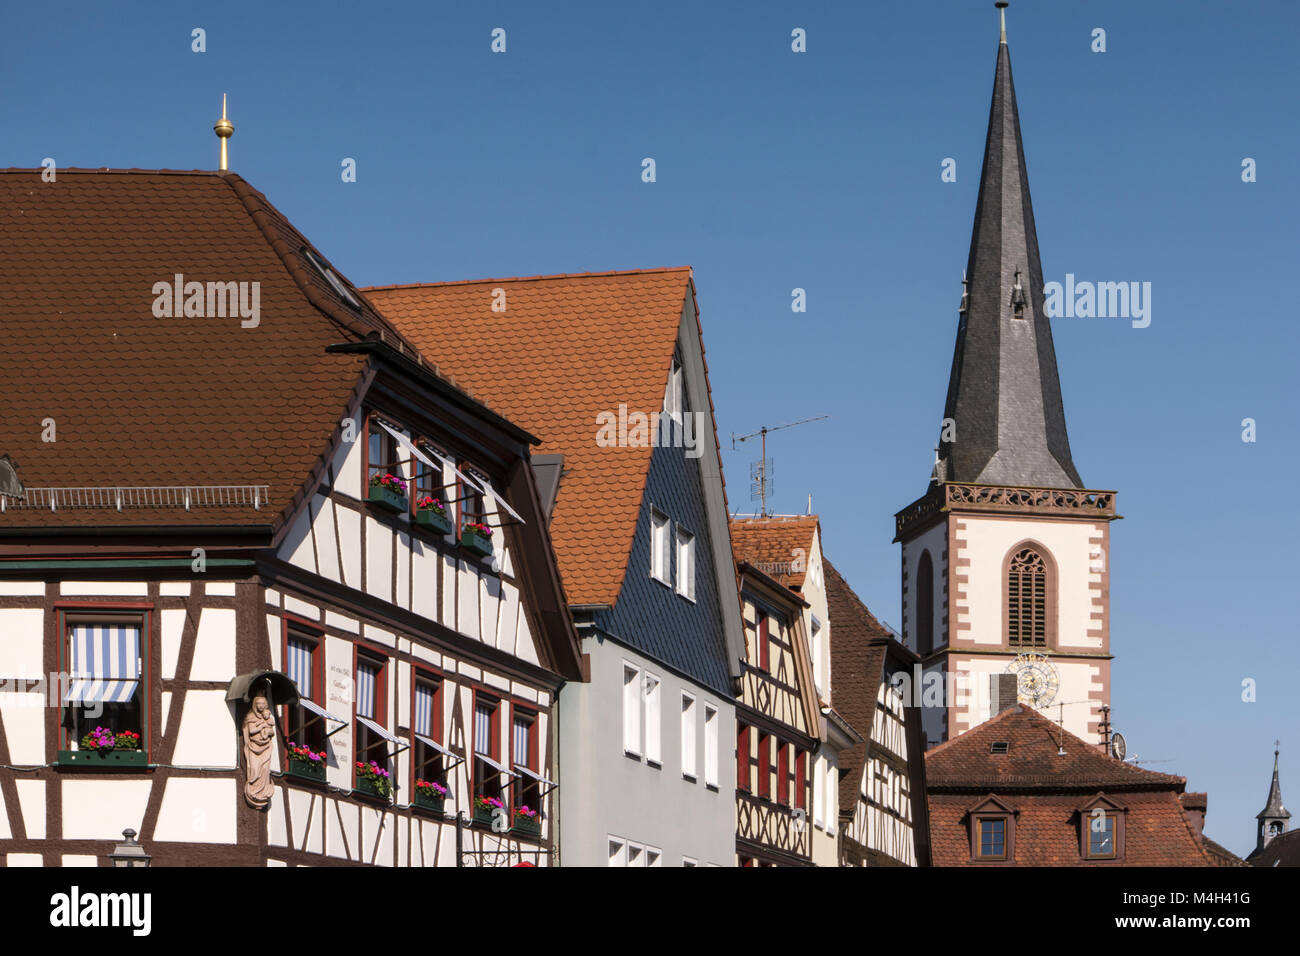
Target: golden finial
224 130
1002 17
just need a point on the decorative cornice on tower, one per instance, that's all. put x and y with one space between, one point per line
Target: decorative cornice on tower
1004 393
972 497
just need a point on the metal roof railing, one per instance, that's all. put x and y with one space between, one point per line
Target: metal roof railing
142 496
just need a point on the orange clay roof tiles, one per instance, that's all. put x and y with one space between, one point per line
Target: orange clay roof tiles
563 350
771 545
142 400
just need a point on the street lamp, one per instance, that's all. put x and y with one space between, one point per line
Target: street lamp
129 852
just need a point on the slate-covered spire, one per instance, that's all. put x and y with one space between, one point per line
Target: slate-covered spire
1273 818
1004 394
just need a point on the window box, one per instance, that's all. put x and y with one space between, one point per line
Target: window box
371 780
527 826
475 543
430 795
437 523
387 498
313 770
103 759
486 810
426 801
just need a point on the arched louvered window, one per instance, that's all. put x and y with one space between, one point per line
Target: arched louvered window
1027 599
924 604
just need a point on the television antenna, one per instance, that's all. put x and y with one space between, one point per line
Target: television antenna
760 472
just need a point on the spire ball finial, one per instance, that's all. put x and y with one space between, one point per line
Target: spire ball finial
1002 17
224 130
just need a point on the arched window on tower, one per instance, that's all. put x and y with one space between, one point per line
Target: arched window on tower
924 604
1028 609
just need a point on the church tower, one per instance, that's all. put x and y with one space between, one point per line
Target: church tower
1005 560
1273 818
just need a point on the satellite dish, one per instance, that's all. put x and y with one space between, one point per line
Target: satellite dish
1118 748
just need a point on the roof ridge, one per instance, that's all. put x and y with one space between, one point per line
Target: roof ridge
554 275
108 170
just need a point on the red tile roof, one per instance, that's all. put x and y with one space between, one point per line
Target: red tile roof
1047 790
141 400
773 544
1032 759
564 349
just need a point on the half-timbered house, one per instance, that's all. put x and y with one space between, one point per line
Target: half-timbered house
788 549
777 724
608 370
239 481
884 820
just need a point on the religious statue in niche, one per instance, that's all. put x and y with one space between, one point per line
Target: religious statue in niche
259 738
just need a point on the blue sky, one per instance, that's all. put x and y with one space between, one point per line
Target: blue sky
820 171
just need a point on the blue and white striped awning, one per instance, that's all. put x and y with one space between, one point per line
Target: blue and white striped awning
381 731
105 664
430 742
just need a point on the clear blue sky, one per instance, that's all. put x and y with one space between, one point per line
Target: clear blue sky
819 171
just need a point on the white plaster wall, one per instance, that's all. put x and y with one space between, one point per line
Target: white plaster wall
23 640
198 810
214 646
379 559
102 809
206 737
23 588
327 554
987 542
1078 679
104 588
24 724
934 540
31 801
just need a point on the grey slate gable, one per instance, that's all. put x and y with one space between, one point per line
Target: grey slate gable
652 617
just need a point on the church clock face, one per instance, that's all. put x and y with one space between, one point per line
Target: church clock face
1037 679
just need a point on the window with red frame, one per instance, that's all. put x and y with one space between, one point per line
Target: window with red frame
742 758
429 482
523 747
471 505
428 761
783 774
765 766
381 453
487 778
370 703
105 698
801 780
303 664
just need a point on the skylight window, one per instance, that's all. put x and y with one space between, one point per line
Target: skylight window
335 282
999 747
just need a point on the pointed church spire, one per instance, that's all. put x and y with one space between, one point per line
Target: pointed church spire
1274 807
1004 393
1273 818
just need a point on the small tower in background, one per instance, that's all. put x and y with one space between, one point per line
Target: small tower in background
1273 818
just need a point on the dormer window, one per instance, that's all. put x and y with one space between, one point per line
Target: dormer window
992 824
1101 830
334 281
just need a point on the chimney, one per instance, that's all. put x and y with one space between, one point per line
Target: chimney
1003 693
1195 804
